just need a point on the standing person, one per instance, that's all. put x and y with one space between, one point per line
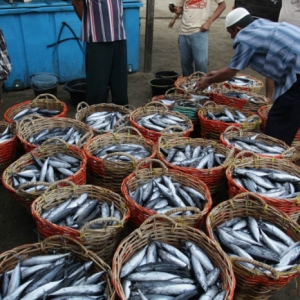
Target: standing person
290 13
272 49
193 32
106 52
5 63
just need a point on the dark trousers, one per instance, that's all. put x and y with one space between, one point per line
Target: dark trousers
284 116
106 65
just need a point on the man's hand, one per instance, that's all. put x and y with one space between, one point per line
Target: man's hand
205 26
202 84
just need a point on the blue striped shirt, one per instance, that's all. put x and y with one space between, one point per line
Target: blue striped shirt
102 21
272 49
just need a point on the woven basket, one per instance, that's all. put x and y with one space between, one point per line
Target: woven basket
254 284
214 177
84 110
211 129
244 159
92 239
233 132
219 97
29 126
187 82
171 95
263 114
141 175
49 148
164 229
255 88
152 108
43 101
110 174
8 148
58 244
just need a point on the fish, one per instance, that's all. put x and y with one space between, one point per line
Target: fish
44 112
229 116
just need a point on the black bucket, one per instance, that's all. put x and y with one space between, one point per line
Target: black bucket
51 90
167 74
77 90
159 86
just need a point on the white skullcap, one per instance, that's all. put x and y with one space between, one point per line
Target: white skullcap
236 15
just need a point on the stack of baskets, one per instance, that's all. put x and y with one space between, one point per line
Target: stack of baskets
254 284
92 239
142 175
107 173
211 129
43 101
164 229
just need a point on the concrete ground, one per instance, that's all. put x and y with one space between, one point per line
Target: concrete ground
16 225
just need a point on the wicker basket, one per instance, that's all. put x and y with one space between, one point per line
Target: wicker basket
43 101
218 96
49 148
84 110
110 174
211 129
164 229
244 159
233 132
255 88
263 114
140 175
58 244
92 239
171 95
152 108
29 126
214 177
254 284
8 148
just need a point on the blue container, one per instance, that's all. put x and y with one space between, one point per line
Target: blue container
44 36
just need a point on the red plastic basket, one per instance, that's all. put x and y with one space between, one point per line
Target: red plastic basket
43 101
214 177
244 159
152 108
49 148
212 129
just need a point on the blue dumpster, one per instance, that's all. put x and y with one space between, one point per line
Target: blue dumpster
44 36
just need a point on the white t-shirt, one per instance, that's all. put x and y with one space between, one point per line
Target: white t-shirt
195 14
290 12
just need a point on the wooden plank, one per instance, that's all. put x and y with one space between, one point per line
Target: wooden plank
149 36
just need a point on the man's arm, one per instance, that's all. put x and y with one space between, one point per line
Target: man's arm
218 11
78 7
215 77
269 88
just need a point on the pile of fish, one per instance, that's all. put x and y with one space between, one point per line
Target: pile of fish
103 120
161 271
242 81
199 157
50 169
251 143
162 194
137 151
243 96
158 122
43 112
194 102
52 276
258 240
75 212
5 135
268 182
229 117
70 135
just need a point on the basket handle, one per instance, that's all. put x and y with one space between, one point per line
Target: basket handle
183 209
81 105
181 133
158 217
150 161
234 128
82 141
57 183
208 104
182 91
49 97
51 140
23 186
288 153
229 158
128 128
250 196
274 273
130 107
256 118
105 159
197 75
84 229
241 155
148 106
30 119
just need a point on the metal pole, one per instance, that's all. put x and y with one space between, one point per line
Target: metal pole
149 36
